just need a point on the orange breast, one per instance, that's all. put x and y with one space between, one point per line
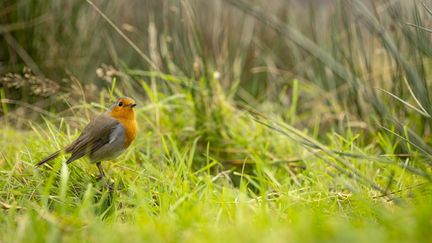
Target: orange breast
131 130
126 116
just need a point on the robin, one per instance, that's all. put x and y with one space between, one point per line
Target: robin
105 137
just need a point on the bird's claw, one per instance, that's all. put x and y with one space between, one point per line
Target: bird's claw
99 177
109 184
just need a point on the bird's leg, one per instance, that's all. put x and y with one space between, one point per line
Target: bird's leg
109 185
102 174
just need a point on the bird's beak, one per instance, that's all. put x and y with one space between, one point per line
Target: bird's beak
132 105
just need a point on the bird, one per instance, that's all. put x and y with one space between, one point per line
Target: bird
105 137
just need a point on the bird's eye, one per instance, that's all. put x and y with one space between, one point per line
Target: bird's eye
120 103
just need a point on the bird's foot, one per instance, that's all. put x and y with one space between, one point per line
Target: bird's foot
105 182
100 177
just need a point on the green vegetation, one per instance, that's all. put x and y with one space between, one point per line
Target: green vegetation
276 122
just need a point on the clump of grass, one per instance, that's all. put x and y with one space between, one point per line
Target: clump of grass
167 188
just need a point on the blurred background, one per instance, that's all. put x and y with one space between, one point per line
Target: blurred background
329 62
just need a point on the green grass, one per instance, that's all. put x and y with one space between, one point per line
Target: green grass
253 184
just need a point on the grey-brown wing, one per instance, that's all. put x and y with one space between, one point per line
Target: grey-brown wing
95 135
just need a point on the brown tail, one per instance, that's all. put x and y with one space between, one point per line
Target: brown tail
49 158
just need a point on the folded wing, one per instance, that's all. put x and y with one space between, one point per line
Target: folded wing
94 136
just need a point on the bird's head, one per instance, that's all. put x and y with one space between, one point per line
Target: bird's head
123 108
